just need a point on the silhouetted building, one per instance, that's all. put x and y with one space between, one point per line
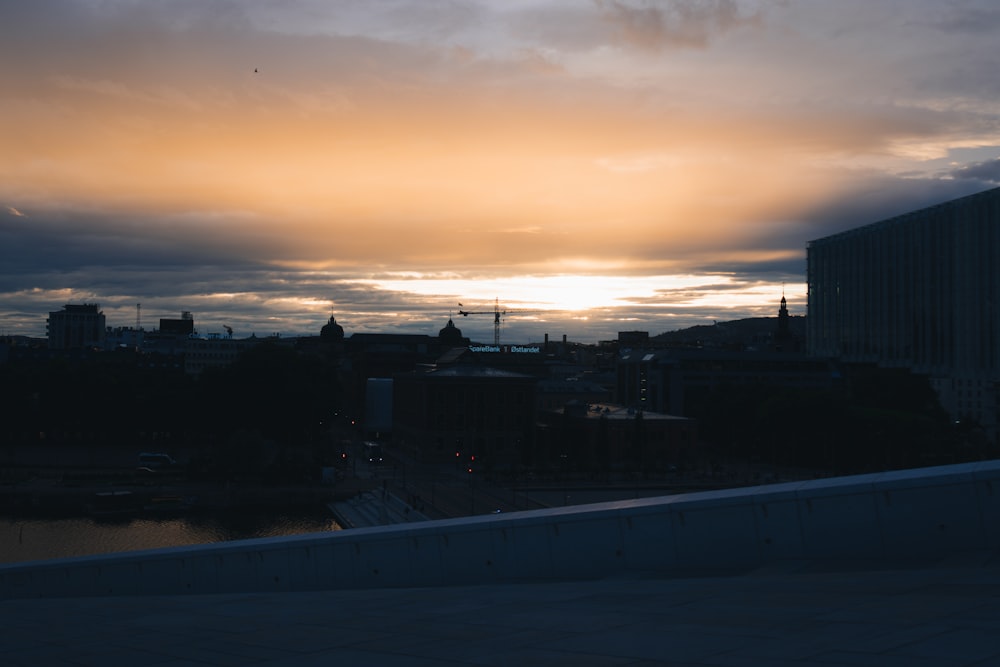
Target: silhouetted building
628 339
919 291
330 343
374 355
118 338
171 339
662 380
214 352
182 327
76 326
451 336
554 393
22 347
470 414
601 438
784 340
332 332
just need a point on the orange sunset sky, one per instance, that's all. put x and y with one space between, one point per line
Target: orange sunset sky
609 165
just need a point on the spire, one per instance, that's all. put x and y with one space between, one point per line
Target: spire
783 336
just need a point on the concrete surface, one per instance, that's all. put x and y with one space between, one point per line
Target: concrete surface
945 614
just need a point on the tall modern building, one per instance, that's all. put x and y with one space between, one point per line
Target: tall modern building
76 326
919 291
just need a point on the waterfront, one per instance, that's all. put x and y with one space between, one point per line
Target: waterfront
26 538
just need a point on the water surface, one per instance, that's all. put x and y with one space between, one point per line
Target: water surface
30 538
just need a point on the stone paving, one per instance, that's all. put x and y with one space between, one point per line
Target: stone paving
941 614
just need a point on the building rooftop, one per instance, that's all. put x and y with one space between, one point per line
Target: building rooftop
948 614
472 371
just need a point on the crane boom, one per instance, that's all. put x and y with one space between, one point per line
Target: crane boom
497 314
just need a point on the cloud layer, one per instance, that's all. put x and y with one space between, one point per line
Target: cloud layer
265 165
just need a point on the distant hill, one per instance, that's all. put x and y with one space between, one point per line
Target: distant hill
749 332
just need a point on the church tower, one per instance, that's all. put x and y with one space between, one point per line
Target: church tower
783 336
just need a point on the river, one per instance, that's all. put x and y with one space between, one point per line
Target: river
32 538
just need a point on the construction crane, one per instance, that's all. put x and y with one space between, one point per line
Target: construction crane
497 314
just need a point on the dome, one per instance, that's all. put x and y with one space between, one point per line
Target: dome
450 333
332 331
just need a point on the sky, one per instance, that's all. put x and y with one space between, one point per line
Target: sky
589 166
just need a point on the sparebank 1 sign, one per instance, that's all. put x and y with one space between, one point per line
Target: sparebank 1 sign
506 349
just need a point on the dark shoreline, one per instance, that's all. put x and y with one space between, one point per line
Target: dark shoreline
51 497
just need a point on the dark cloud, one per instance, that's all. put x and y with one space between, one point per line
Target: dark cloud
782 246
121 260
654 25
773 271
986 172
973 20
881 199
65 242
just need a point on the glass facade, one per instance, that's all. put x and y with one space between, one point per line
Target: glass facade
918 291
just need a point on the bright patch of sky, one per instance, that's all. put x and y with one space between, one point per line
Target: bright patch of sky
651 162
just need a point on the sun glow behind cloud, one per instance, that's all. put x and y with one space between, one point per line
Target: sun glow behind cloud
601 162
603 302
556 292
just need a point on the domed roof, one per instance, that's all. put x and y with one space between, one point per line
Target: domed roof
450 333
332 331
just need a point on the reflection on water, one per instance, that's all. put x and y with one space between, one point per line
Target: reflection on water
24 538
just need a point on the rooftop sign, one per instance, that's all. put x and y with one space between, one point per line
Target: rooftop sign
506 349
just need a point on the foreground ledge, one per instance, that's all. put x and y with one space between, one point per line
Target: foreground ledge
883 519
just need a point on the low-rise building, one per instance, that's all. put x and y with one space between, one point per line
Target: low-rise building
661 380
600 438
473 415
214 352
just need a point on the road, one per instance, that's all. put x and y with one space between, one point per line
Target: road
444 490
